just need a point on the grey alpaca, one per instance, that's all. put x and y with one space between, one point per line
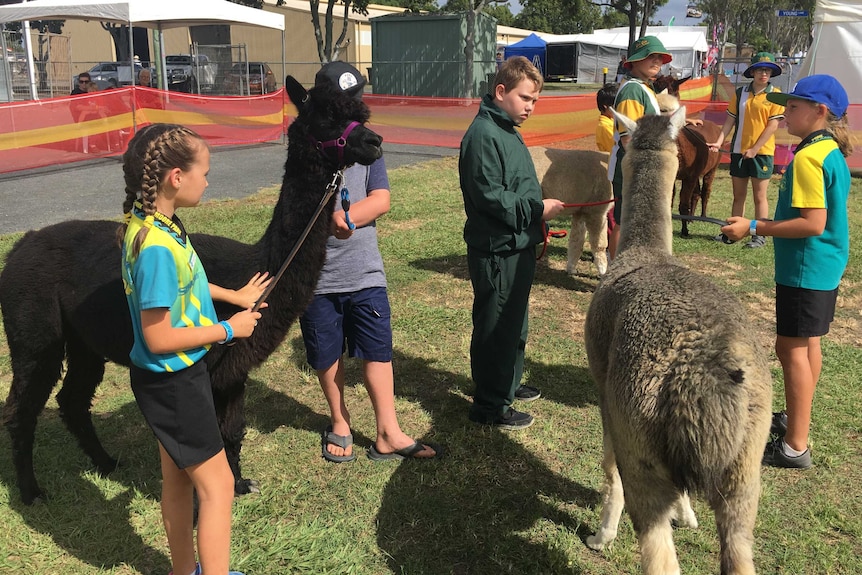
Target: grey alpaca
579 177
62 296
684 388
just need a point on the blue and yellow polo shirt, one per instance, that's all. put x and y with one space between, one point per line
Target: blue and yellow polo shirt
818 177
165 274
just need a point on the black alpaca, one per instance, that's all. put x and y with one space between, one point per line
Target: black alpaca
62 296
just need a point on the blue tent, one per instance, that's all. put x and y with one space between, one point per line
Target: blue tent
532 47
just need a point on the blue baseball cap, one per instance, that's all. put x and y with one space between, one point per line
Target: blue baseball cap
820 89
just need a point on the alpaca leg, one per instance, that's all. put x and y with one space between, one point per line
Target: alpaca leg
683 514
612 500
84 372
706 189
735 514
577 235
650 501
32 382
685 191
597 227
229 399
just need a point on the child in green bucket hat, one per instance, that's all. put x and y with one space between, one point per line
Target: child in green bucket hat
635 99
753 119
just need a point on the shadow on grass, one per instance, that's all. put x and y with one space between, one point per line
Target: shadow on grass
456 266
465 513
77 515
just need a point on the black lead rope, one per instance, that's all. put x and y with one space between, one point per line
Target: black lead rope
715 221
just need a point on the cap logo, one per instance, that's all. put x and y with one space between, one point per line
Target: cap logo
347 81
765 59
641 43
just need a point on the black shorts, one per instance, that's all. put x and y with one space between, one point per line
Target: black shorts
179 409
759 167
801 312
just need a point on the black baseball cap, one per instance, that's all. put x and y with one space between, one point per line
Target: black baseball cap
343 76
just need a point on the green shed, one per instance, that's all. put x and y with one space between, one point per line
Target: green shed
423 54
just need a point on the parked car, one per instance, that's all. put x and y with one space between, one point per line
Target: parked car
187 75
112 74
259 79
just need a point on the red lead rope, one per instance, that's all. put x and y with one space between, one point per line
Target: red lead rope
547 233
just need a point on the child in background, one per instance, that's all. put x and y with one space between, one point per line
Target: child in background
175 324
754 120
812 246
605 128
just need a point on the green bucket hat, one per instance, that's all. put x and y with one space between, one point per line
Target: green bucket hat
762 60
646 46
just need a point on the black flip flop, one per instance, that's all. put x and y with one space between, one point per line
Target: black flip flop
409 452
343 441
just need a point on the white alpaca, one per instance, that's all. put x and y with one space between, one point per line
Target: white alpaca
579 177
684 389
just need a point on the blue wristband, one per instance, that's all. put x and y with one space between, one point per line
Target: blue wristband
228 331
752 228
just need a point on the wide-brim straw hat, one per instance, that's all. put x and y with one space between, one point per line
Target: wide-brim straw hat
762 60
647 46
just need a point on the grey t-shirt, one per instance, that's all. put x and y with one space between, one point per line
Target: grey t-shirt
355 263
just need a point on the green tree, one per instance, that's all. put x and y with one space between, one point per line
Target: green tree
559 16
637 13
755 23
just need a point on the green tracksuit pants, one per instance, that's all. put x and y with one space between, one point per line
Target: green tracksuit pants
501 294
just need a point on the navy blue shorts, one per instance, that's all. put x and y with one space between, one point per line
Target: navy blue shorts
358 322
801 312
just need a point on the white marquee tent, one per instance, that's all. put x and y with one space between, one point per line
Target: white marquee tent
604 47
837 45
157 14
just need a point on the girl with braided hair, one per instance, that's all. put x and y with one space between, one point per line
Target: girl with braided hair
175 324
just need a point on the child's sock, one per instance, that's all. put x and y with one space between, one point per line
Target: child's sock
789 451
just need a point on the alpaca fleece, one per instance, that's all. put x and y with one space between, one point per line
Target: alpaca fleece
62 296
684 388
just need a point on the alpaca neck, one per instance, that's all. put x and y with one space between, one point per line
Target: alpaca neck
648 179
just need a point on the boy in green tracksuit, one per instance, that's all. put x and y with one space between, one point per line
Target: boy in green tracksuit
505 221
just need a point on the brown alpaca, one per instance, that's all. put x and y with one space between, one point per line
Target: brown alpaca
697 163
684 389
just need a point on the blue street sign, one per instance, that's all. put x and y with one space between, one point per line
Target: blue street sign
802 13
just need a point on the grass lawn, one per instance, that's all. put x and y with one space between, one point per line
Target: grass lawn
499 502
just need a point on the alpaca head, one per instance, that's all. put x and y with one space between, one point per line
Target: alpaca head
667 102
334 123
653 132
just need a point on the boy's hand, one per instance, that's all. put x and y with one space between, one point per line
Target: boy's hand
247 295
552 208
339 228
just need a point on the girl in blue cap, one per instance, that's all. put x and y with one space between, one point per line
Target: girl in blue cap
811 251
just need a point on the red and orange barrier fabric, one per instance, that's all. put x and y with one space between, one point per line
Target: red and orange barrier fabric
74 128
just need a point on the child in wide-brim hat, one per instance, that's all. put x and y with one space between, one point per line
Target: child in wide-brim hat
644 47
762 60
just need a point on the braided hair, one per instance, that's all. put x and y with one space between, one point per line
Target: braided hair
152 153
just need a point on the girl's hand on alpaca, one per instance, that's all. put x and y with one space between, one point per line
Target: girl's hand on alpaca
244 322
247 295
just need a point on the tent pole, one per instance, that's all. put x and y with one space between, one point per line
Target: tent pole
132 68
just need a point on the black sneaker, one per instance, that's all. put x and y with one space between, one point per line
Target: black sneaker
774 456
779 424
756 242
510 420
527 393
723 239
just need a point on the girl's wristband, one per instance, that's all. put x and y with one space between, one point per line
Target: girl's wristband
228 330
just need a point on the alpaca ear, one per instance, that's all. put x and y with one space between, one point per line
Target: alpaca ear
677 122
296 92
629 125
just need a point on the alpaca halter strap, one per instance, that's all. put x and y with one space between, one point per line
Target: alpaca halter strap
331 188
339 143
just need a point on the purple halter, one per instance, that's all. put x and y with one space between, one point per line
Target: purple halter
339 142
